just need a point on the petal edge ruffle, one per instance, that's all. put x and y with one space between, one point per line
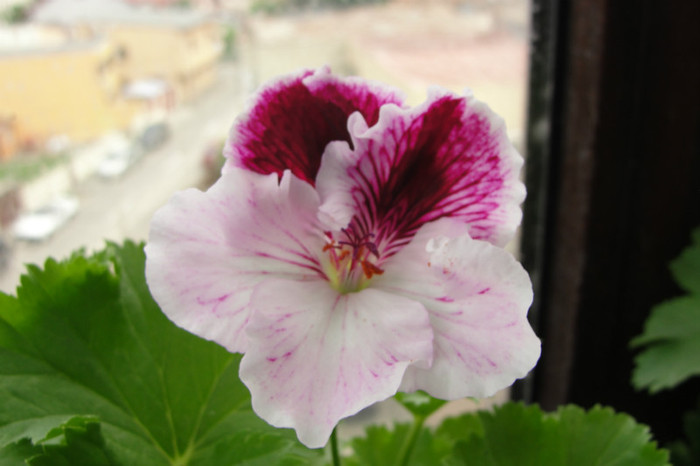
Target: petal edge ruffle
208 250
449 157
291 120
477 296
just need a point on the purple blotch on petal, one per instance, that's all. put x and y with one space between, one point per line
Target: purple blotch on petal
449 157
293 119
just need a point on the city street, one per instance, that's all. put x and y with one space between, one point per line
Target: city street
121 208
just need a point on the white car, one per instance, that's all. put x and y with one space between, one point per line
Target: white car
43 222
114 164
121 154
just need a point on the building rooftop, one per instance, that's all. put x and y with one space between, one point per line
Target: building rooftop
30 39
72 12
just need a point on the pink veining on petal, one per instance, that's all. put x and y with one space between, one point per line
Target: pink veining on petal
478 311
293 119
337 354
208 250
447 158
353 94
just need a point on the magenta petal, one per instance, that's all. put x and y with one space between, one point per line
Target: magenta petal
316 356
353 94
293 119
208 250
449 157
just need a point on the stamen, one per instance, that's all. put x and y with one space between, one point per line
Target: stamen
372 248
349 258
370 269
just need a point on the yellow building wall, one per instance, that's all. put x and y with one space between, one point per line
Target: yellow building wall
74 91
184 56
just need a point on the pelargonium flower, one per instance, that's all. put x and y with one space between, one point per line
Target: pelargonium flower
352 248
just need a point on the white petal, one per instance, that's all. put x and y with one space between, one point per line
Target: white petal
477 296
207 250
316 356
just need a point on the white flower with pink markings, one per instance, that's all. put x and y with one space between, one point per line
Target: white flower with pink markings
353 248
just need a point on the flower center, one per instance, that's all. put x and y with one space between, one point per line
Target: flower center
350 267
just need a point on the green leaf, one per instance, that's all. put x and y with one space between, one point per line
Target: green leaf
14 454
672 331
687 453
78 440
512 434
524 435
672 337
419 403
601 436
515 434
84 337
380 447
686 267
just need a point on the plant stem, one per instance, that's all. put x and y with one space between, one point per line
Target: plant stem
334 447
410 443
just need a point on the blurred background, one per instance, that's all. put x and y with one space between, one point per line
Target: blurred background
107 107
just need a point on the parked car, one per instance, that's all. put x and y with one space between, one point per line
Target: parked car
154 136
121 154
40 224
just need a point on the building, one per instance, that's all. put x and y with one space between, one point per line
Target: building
51 86
83 67
177 45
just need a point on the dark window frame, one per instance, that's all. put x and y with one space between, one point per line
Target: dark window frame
613 176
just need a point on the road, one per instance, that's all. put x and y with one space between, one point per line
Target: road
122 208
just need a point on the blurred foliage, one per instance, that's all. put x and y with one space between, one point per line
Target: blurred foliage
26 167
671 342
419 403
229 40
516 434
380 446
671 337
687 453
15 14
